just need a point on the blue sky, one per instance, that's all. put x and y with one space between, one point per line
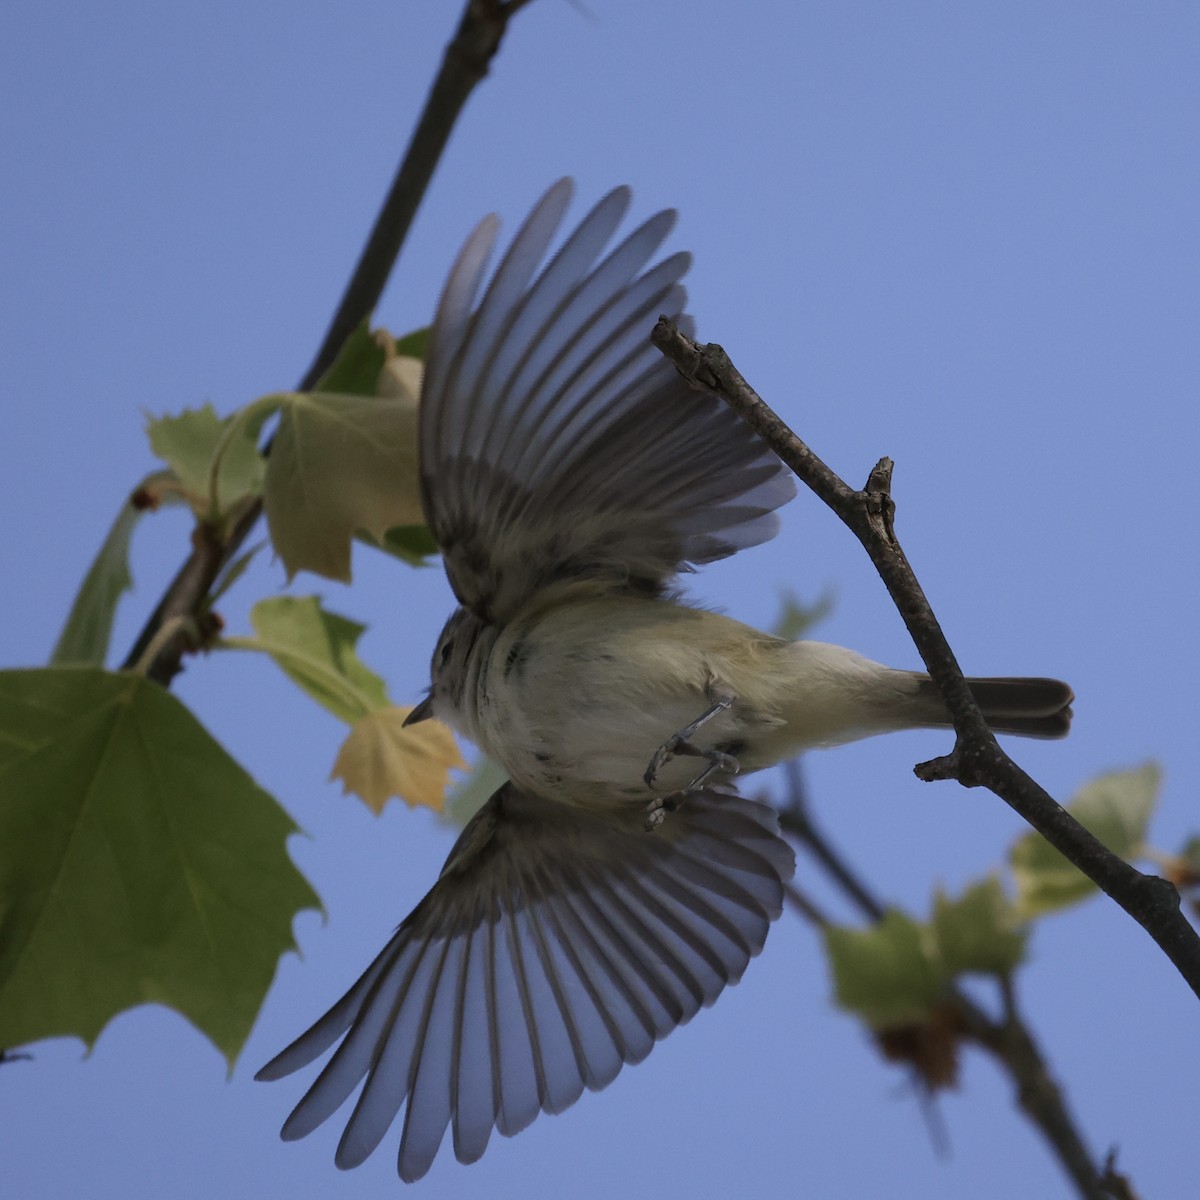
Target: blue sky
964 236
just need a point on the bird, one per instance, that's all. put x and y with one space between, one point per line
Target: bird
618 881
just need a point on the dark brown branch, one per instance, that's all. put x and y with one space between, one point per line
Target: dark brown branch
977 758
1009 1040
466 62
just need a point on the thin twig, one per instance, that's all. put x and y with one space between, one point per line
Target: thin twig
977 758
1009 1040
465 64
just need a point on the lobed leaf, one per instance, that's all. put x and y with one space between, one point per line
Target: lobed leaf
889 974
979 931
1116 808
316 649
339 464
139 863
381 759
796 618
190 441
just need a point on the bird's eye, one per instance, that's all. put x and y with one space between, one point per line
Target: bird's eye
444 655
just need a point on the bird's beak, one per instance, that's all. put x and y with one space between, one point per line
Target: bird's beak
422 712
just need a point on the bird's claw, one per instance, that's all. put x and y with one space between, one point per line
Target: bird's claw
657 809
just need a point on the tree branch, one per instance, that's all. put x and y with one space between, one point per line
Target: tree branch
466 61
977 758
1009 1041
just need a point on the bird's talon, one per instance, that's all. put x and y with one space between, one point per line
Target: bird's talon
657 809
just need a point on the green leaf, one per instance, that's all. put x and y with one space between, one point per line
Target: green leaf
889 974
413 345
356 369
88 628
1116 808
340 464
316 650
190 441
797 618
979 931
85 636
413 544
139 863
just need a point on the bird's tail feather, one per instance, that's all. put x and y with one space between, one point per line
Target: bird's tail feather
1031 707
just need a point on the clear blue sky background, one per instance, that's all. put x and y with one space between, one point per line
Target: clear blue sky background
961 235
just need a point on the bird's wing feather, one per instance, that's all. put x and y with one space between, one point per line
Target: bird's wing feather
555 441
557 945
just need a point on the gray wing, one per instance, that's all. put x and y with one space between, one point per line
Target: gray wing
556 946
555 441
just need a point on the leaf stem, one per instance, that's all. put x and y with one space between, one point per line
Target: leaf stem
465 64
332 680
256 411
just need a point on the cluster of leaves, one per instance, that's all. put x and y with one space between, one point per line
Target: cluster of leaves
898 975
138 861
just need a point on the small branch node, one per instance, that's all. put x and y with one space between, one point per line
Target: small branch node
945 767
880 479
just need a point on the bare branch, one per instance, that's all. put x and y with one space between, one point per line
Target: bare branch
977 758
1009 1041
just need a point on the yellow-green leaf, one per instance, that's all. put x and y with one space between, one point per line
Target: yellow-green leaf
889 974
356 369
979 931
1116 808
381 759
796 618
138 863
316 650
190 441
413 544
340 464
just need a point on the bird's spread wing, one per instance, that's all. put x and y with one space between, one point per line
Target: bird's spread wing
555 441
557 945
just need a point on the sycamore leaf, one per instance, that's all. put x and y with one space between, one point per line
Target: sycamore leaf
88 628
796 618
316 650
412 345
339 464
85 636
401 378
413 544
979 931
138 863
191 441
355 371
1116 808
381 759
889 974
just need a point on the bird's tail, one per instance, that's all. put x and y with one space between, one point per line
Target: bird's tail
1039 708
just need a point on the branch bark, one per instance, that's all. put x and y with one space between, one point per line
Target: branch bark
977 759
465 63
1009 1040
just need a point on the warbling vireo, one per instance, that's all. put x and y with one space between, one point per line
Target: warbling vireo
569 475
